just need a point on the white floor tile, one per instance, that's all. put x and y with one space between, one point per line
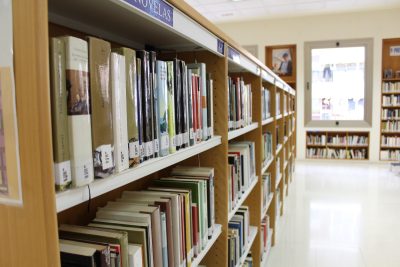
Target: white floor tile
340 214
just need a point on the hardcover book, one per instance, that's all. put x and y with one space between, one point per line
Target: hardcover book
162 91
171 106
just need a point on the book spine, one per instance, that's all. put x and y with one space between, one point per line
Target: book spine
203 84
194 108
185 103
199 110
100 95
79 121
162 90
62 163
164 239
132 105
190 106
118 83
178 103
209 107
171 107
156 125
139 107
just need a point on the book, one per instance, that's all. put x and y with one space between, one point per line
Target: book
162 90
132 104
75 255
118 86
90 234
154 93
101 255
185 105
171 106
135 255
210 106
190 106
178 103
100 95
79 121
58 92
139 108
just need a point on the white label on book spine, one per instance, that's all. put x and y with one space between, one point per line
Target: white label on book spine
191 133
164 142
106 156
156 146
134 150
199 133
186 138
62 172
149 149
173 139
141 150
84 173
179 139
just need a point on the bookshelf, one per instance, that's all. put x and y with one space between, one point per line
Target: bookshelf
390 128
337 145
190 38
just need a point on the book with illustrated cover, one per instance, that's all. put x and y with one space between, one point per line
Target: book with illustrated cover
100 96
132 107
171 106
162 90
118 86
79 121
61 155
147 101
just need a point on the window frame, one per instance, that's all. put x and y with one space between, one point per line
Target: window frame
367 121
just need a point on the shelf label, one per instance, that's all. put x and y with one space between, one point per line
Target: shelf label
233 55
158 9
221 47
395 51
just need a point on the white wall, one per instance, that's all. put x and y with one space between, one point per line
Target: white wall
297 30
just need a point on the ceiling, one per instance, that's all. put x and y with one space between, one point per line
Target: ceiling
231 10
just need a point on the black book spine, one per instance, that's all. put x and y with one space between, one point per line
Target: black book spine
178 104
190 106
156 125
139 107
184 100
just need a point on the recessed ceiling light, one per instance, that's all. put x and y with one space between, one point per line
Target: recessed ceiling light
236 0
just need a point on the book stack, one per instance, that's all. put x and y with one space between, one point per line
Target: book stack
277 103
238 235
248 262
337 140
318 139
278 169
316 153
242 172
240 103
277 144
357 140
265 104
392 100
390 141
285 110
278 204
115 108
336 153
266 236
168 224
391 87
267 147
390 114
266 189
357 153
391 126
390 155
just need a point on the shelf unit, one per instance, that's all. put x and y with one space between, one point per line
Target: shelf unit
252 237
390 88
191 38
323 148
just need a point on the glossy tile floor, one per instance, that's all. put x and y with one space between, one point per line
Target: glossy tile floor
340 214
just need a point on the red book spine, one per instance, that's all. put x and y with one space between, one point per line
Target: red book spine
195 229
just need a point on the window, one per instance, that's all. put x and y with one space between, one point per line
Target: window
338 83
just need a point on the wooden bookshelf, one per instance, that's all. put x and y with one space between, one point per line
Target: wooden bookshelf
325 141
33 228
390 88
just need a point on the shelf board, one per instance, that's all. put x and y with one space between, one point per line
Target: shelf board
75 196
391 93
316 145
390 147
279 181
286 114
391 79
278 117
252 237
390 132
264 212
267 121
217 232
357 146
235 133
243 198
390 119
285 164
336 146
391 106
266 166
279 148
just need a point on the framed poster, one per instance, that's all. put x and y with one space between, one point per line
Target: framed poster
10 176
281 59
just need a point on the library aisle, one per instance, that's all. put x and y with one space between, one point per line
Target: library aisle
340 214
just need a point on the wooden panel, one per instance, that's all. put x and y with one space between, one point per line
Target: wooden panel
31 230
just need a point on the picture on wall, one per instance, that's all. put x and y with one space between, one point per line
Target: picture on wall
281 59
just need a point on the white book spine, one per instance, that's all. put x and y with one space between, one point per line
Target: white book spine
203 84
79 124
120 128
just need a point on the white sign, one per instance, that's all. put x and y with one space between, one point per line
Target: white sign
395 51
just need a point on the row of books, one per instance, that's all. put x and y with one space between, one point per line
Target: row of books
389 87
242 170
248 262
278 170
278 204
238 235
266 189
392 100
266 236
390 141
285 107
266 147
391 126
115 108
388 114
170 223
336 140
316 139
390 155
316 153
323 153
278 104
240 103
357 140
265 103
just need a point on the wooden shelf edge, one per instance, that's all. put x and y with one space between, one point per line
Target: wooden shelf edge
210 243
267 121
236 133
75 196
264 212
243 198
279 148
266 166
278 117
279 181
